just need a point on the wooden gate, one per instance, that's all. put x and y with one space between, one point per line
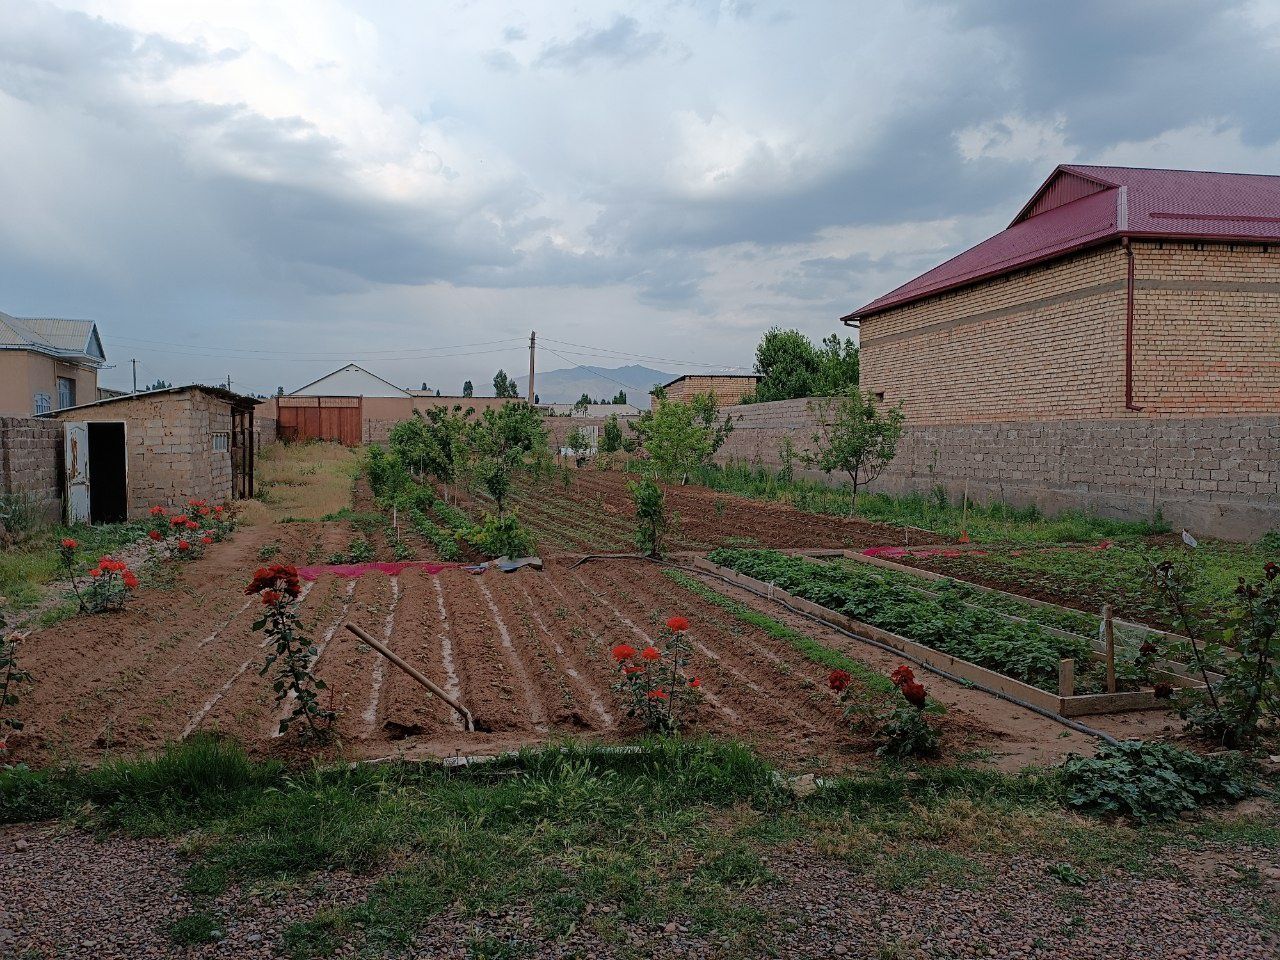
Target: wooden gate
320 418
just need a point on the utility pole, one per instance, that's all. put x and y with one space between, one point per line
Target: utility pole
228 382
135 374
533 346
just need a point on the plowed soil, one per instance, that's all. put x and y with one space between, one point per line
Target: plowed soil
528 653
594 512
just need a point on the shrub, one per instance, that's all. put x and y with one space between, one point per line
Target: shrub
501 536
1150 781
900 726
651 514
12 677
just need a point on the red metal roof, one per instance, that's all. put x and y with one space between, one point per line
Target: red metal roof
1081 206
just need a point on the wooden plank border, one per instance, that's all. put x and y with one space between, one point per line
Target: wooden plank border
1074 706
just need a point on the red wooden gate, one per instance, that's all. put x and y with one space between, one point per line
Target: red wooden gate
320 418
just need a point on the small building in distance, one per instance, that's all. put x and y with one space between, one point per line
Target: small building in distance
350 381
126 454
47 364
591 410
728 388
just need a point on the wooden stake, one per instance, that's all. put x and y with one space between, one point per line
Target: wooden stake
1109 637
378 646
1066 678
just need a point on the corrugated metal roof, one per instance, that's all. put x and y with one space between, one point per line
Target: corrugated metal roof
1080 206
73 339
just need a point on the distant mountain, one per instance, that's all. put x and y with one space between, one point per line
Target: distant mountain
599 383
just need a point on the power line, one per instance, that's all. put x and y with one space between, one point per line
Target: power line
641 356
319 355
590 370
400 355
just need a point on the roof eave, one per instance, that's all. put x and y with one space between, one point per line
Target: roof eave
866 311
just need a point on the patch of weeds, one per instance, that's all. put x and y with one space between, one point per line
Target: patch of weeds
207 879
486 946
321 936
1067 875
268 550
195 928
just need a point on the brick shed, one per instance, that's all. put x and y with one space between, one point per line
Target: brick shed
727 387
160 447
1116 349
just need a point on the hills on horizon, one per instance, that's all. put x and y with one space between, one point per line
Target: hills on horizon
569 384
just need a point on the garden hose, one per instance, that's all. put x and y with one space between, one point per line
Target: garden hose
1048 714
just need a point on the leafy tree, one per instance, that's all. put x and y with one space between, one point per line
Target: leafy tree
424 386
790 366
536 398
504 442
432 443
279 391
467 389
611 435
584 401
651 514
504 387
621 398
165 385
855 436
578 442
681 437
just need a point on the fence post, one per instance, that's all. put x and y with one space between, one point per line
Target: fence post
1109 637
1066 678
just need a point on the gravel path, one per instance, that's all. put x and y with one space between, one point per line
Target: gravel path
65 894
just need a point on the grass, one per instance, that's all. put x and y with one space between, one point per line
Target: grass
29 567
673 832
301 481
935 512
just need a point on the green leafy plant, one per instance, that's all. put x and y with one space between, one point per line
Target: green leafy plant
681 437
1150 781
611 435
855 436
12 678
1244 654
651 515
900 726
654 681
503 443
292 654
501 536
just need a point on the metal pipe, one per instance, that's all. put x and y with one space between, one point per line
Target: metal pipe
1128 326
382 649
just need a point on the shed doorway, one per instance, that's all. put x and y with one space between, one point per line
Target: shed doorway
108 473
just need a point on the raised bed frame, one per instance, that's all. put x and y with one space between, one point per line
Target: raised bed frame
1059 703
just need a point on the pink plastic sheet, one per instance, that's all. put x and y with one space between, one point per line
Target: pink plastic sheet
353 570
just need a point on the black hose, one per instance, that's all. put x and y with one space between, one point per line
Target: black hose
1048 714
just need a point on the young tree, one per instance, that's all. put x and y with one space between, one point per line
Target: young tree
584 401
504 442
432 444
467 389
855 436
680 437
504 387
578 442
611 435
651 515
424 386
621 398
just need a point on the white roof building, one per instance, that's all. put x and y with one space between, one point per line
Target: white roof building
350 381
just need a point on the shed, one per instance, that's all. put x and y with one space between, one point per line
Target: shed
123 455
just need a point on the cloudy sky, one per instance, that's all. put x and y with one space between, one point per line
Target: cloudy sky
268 190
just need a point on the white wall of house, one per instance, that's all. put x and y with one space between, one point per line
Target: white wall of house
350 381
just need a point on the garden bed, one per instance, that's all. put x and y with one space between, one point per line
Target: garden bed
1015 657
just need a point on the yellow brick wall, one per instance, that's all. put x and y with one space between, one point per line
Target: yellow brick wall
727 390
1048 343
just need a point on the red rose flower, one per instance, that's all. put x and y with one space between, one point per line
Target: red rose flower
206 540
658 695
95 572
650 653
677 624
914 692
157 511
154 534
902 675
838 680
69 544
1271 570
269 597
1147 648
130 580
695 682
183 545
632 670
179 521
1163 690
192 525
623 651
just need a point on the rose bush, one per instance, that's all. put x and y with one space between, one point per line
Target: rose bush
655 682
292 655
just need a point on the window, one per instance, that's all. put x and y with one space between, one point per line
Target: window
66 393
880 396
43 403
221 442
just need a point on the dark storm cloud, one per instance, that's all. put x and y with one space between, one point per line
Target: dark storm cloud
622 42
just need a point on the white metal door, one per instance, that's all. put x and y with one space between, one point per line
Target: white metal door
75 439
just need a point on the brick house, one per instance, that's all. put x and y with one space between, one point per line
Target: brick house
728 388
47 364
125 454
1116 350
1114 293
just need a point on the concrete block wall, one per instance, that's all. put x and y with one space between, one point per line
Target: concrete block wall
30 463
1215 475
558 428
